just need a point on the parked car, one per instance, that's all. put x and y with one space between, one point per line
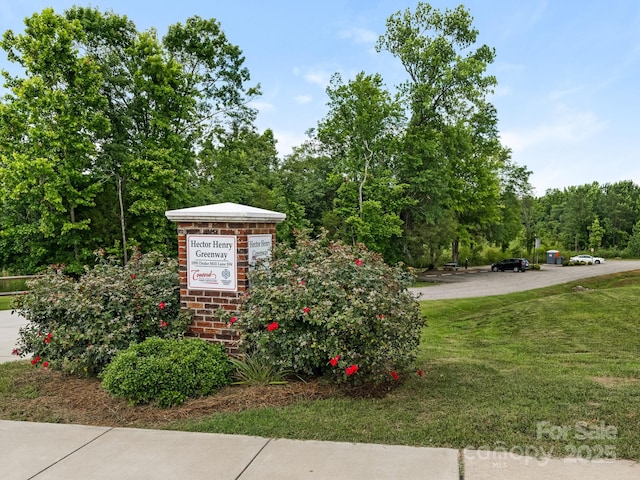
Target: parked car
586 259
515 264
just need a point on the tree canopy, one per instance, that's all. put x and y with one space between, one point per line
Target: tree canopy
102 128
106 127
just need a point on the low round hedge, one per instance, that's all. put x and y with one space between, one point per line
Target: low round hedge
167 371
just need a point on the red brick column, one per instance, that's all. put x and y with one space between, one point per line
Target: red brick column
203 304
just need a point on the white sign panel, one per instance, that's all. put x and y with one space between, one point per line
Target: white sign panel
211 262
259 248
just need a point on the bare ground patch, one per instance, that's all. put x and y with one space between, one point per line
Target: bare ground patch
613 382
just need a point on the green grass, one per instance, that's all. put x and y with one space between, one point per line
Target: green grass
5 302
12 285
495 367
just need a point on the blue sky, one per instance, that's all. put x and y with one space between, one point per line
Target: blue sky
568 71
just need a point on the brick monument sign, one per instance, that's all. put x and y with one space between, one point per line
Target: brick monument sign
216 246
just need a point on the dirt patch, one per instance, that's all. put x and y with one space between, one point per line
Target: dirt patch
67 399
613 382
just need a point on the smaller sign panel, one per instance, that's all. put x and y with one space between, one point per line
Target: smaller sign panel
211 262
259 248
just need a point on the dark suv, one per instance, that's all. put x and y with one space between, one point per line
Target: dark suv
515 264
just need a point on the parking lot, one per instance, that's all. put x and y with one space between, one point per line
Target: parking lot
482 282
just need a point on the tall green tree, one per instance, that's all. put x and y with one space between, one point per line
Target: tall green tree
238 165
619 212
452 156
52 124
578 212
596 232
109 121
360 137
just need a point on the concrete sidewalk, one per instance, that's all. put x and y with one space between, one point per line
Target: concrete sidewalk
9 326
42 451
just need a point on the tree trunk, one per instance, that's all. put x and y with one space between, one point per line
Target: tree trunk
122 223
455 250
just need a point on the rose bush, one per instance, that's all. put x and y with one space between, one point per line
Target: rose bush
326 308
78 325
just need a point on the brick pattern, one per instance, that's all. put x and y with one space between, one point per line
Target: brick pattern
203 304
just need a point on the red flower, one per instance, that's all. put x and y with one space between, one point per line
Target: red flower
359 262
306 309
334 361
161 305
394 375
48 338
35 361
15 351
351 370
381 316
45 365
163 324
233 320
272 326
133 276
302 283
419 372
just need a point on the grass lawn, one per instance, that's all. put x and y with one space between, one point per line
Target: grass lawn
5 302
552 371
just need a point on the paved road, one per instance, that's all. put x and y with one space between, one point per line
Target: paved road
482 282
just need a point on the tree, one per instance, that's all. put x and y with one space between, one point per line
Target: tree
360 137
104 125
618 212
165 99
238 165
577 214
452 155
52 122
596 232
634 241
304 179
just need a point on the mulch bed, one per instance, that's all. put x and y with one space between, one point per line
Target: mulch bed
68 399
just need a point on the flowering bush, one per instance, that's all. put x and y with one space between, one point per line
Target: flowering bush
167 371
326 308
79 325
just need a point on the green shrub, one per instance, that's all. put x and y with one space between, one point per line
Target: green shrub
78 325
167 371
325 308
493 255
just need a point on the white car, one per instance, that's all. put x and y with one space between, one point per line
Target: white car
586 259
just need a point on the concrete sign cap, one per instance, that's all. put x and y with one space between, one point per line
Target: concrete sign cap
225 212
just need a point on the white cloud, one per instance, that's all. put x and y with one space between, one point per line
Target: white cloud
502 91
359 35
263 106
287 140
302 99
317 77
561 128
